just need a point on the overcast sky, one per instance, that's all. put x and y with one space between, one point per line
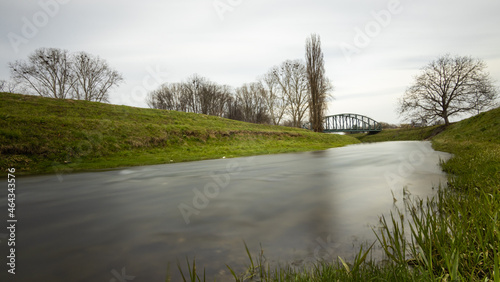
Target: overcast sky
372 49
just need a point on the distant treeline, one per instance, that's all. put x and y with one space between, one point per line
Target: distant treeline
287 94
279 97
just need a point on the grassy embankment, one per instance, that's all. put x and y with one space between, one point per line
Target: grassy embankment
400 134
455 237
43 135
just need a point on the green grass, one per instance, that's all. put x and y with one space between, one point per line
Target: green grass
453 237
43 135
475 142
456 236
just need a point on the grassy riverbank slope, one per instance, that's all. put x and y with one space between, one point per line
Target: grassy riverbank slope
455 237
43 135
475 142
400 134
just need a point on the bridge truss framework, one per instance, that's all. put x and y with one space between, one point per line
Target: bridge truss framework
349 123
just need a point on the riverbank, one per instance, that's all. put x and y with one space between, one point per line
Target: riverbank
401 134
43 135
300 207
455 236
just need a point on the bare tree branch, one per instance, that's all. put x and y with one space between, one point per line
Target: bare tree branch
93 78
52 72
47 72
291 77
446 87
274 98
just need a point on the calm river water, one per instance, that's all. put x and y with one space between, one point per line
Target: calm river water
135 223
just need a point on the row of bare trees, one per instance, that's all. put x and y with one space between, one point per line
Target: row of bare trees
287 94
281 96
55 73
197 94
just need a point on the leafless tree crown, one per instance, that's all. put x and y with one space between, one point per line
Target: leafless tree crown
47 72
93 78
274 98
291 80
52 72
448 86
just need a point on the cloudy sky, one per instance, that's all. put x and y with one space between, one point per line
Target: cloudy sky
372 48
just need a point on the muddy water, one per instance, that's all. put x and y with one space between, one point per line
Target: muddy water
134 224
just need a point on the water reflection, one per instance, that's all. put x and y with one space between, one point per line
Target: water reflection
299 207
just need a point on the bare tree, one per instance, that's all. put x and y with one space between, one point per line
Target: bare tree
47 72
166 97
8 86
52 72
197 95
291 76
192 96
252 104
319 85
93 78
274 98
222 96
234 109
13 86
200 95
212 98
446 87
485 97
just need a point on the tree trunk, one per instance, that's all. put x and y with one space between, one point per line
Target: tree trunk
446 121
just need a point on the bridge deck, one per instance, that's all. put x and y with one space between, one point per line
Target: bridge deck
351 130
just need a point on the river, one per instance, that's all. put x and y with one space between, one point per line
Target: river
134 224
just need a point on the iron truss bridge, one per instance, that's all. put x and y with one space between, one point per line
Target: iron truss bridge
348 123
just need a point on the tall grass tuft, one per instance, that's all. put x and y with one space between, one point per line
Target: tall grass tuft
193 276
453 237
